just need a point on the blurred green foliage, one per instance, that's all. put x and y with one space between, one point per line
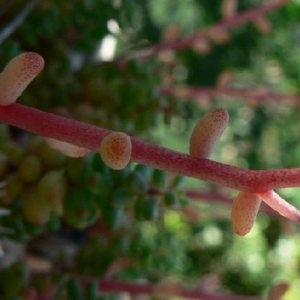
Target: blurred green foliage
139 213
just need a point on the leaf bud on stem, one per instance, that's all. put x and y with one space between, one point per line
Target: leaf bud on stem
115 150
244 211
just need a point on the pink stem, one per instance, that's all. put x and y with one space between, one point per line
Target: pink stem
242 93
106 285
90 136
232 22
209 196
279 204
215 197
117 265
134 288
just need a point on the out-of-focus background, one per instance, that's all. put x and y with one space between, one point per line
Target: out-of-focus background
76 216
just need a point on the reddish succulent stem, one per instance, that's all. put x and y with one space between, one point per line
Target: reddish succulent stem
89 136
287 210
209 196
242 93
133 288
228 23
106 285
218 198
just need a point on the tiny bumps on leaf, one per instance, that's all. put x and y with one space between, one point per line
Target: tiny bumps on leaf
115 150
207 132
244 211
17 74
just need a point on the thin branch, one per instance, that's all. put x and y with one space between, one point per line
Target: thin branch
188 92
215 197
134 289
161 290
227 23
90 136
286 209
13 25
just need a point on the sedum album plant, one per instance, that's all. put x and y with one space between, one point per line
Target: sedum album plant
89 207
117 149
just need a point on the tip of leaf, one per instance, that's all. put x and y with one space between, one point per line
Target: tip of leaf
17 74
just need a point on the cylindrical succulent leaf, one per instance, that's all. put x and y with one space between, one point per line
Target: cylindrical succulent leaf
150 207
78 170
137 182
52 188
207 132
159 179
50 158
115 150
244 211
80 209
14 186
35 210
171 199
17 74
67 148
14 153
112 215
30 168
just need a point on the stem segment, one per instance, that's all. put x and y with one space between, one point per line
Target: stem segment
90 136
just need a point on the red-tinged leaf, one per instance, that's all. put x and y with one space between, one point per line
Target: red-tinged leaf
17 74
207 133
244 211
115 150
280 205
